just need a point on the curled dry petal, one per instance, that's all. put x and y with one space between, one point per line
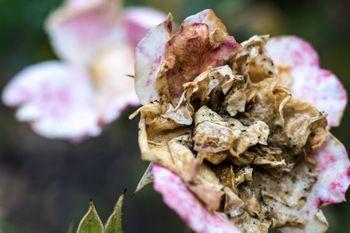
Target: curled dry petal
76 33
149 55
296 58
333 181
138 20
56 98
182 201
322 89
291 51
196 46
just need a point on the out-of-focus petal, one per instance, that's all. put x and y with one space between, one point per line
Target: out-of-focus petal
77 31
56 98
183 202
81 4
114 88
291 51
322 89
138 20
149 57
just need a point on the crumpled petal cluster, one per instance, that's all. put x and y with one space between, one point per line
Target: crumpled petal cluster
235 145
73 98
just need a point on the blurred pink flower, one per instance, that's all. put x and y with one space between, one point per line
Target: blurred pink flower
73 98
309 83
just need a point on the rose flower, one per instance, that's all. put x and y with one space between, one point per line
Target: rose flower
238 133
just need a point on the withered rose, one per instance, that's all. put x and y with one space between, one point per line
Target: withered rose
238 132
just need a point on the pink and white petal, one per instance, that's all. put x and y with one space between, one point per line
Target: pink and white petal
138 20
334 167
56 98
291 51
322 89
77 32
184 203
149 55
114 88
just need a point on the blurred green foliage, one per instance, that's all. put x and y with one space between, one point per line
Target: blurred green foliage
29 162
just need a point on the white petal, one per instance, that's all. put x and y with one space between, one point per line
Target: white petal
149 57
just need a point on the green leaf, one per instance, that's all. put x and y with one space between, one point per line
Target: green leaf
145 179
91 222
114 222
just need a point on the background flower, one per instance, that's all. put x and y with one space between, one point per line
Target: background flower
73 98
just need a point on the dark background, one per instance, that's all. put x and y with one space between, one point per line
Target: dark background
46 184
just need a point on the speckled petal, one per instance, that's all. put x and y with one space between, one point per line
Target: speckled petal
181 200
138 20
334 166
114 89
78 30
322 89
291 51
55 98
149 57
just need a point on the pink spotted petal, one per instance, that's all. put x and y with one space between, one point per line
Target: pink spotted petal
181 200
77 31
291 51
55 98
138 20
114 88
321 88
149 57
334 166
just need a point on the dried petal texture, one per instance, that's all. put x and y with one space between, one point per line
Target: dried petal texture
190 52
322 89
332 182
183 202
291 51
77 33
149 55
234 134
138 20
310 83
56 98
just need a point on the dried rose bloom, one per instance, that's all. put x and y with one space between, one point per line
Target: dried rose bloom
75 97
238 132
